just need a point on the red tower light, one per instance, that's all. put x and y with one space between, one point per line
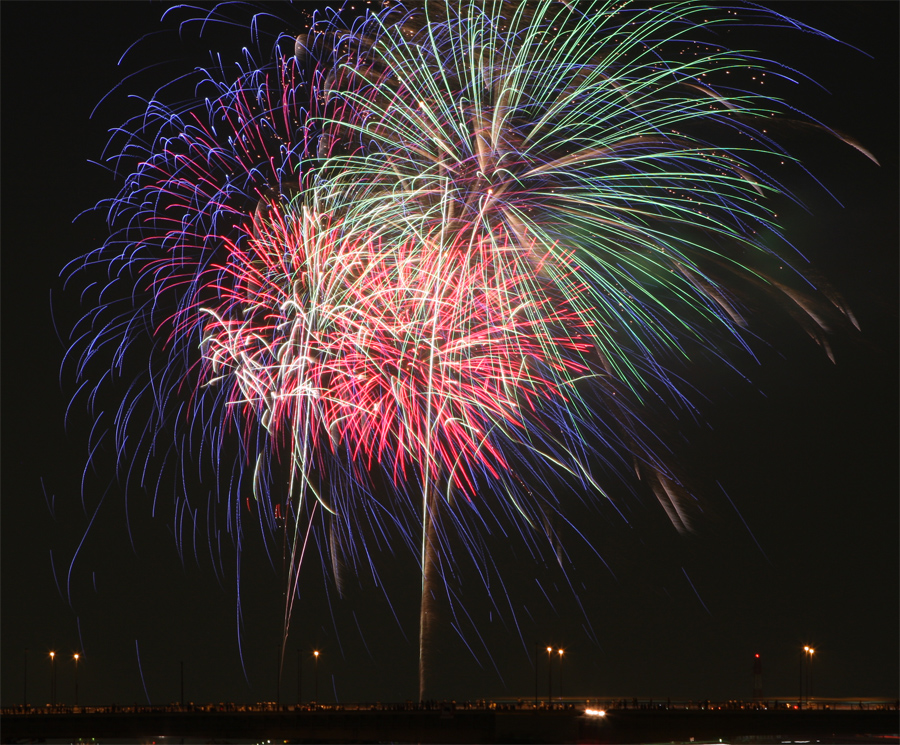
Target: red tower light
757 678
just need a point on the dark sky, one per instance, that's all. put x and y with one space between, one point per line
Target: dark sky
805 551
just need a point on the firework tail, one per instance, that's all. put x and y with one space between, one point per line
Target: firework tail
430 575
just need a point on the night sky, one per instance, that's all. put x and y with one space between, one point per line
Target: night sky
797 464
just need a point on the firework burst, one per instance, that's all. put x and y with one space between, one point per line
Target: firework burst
453 247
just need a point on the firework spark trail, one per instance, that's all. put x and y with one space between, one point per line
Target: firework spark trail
450 244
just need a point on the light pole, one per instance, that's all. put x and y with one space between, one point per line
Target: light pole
53 678
804 671
535 675
810 652
549 679
316 655
278 658
560 674
76 677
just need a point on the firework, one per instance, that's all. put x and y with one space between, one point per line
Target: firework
453 247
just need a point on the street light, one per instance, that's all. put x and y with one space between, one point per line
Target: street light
76 677
804 671
278 661
53 678
316 655
560 673
810 652
549 679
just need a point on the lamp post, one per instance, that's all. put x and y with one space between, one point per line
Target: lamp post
560 673
803 674
549 679
804 671
76 677
278 675
53 678
809 652
316 655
